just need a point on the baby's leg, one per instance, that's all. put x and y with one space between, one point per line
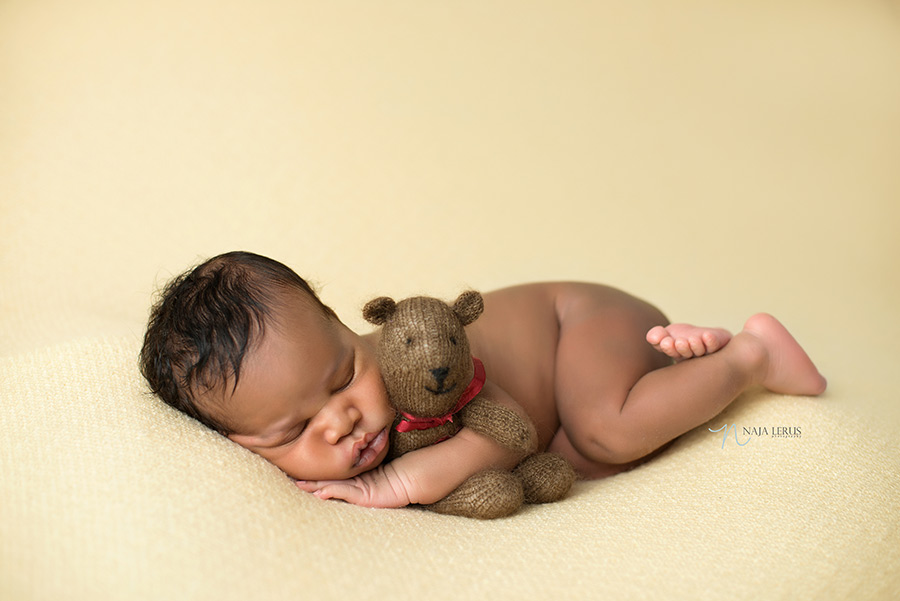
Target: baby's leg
615 408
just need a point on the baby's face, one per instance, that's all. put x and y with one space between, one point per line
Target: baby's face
310 398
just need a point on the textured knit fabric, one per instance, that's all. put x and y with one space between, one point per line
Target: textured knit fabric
546 478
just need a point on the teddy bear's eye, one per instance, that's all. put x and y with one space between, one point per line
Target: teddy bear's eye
453 340
408 340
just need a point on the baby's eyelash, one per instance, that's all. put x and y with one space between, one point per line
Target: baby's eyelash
349 381
352 375
293 437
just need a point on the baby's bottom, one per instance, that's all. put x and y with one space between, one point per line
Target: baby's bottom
620 398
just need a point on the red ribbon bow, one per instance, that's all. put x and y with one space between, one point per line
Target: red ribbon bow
411 422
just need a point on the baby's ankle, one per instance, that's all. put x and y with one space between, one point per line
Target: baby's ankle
750 354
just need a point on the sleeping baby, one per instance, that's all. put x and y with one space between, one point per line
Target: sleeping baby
244 345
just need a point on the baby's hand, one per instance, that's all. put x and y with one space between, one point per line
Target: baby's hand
381 487
423 476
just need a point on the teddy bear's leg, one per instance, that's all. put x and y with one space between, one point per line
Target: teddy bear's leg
502 424
486 495
546 477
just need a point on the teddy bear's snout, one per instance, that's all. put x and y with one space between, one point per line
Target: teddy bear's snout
440 376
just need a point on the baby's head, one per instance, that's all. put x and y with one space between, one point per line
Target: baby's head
244 345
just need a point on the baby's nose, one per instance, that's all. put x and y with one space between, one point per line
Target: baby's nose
440 374
342 423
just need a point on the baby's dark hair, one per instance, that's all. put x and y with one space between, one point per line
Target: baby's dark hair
205 321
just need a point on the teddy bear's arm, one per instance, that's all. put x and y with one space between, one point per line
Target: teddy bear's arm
405 442
492 418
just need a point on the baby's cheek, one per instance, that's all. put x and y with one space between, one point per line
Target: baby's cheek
377 392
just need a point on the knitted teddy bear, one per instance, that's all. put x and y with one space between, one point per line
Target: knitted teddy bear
435 385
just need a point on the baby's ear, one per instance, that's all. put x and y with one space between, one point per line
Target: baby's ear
468 306
378 310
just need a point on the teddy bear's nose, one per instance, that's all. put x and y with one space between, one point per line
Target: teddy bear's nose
440 374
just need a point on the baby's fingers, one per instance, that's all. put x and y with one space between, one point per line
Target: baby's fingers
345 490
307 485
381 487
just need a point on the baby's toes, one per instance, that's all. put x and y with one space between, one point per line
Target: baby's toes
668 346
715 340
684 348
656 335
698 347
711 342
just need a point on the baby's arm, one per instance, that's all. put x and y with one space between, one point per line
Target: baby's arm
426 475
423 476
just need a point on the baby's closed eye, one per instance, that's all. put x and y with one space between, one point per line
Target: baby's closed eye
348 374
293 434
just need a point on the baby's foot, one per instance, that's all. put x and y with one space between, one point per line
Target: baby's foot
789 370
684 341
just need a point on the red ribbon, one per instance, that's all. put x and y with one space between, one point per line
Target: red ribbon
411 422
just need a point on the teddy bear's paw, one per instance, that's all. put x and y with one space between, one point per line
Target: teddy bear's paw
486 495
546 477
503 425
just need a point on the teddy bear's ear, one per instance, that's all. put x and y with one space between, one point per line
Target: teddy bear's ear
468 306
378 310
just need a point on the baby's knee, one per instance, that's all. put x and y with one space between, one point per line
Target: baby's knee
607 444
